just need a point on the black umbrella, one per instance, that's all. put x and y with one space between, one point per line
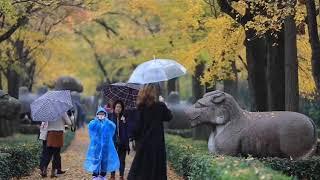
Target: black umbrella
126 92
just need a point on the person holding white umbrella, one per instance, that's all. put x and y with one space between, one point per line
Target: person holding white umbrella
150 159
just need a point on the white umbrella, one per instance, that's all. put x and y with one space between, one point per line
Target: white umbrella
157 70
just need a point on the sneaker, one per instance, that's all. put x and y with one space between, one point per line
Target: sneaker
95 178
102 178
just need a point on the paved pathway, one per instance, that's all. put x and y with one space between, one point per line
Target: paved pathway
74 156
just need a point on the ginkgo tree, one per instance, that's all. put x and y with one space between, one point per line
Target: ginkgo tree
21 41
215 39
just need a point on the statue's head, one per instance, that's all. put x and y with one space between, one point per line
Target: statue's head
3 95
214 109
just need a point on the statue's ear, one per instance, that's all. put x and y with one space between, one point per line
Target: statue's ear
218 98
222 117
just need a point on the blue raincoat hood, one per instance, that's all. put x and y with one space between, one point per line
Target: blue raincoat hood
101 109
102 155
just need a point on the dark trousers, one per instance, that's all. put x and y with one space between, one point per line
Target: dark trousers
122 152
47 154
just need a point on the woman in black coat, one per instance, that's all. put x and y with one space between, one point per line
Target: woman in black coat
150 159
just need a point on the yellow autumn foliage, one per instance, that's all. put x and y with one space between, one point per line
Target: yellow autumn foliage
183 30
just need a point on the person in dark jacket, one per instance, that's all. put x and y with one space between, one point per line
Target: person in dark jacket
121 138
150 159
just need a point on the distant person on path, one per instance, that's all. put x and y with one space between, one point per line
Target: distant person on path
102 156
120 138
52 134
108 108
150 159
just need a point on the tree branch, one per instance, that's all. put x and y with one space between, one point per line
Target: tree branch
244 64
228 9
106 27
20 22
47 30
97 58
127 16
212 7
33 1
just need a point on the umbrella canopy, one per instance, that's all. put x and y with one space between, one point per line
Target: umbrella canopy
157 70
126 92
51 106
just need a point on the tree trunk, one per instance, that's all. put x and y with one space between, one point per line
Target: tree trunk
203 131
31 74
1 128
13 83
172 85
231 86
275 72
291 66
314 41
256 61
197 88
1 88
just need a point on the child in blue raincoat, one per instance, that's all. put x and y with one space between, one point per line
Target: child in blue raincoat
102 156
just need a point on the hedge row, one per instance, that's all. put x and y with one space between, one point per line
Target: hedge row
303 169
19 159
191 160
19 154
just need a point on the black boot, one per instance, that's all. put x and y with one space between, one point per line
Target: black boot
59 171
43 172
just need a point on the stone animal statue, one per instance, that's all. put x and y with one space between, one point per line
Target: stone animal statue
260 134
26 98
9 114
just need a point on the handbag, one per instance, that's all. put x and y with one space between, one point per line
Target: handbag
55 139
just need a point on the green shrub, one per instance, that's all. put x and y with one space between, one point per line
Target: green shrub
303 169
190 159
19 154
5 165
19 159
18 139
